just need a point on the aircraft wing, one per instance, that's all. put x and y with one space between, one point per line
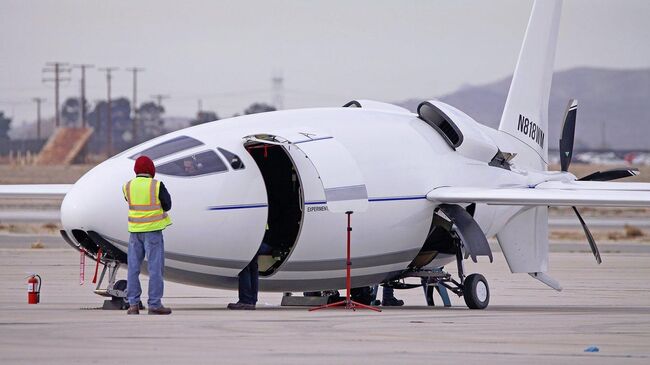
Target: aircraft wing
32 191
551 193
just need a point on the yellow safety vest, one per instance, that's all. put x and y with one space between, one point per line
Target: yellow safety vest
145 211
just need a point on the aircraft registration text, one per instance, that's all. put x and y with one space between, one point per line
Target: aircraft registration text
531 129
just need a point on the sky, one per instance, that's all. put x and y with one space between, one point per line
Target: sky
327 52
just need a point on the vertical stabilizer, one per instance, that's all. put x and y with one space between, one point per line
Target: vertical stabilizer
524 241
525 116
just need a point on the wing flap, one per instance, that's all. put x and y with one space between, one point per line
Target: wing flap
31 191
578 193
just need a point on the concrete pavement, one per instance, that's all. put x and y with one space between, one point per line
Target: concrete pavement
604 305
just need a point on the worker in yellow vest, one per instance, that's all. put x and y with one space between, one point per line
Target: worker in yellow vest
149 202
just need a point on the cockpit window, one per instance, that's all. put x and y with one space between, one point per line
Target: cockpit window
202 163
235 162
168 147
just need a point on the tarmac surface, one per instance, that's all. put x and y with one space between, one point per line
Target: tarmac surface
607 306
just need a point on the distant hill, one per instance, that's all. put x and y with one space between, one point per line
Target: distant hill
613 111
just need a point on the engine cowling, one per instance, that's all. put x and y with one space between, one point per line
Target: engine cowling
459 130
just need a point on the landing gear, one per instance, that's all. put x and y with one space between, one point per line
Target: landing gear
474 288
116 290
476 292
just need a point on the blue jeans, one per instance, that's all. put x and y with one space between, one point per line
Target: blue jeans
248 283
250 276
152 245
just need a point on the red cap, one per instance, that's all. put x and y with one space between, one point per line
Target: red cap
144 165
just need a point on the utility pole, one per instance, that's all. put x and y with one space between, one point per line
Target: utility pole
38 116
277 87
58 68
83 68
99 116
159 98
134 104
109 121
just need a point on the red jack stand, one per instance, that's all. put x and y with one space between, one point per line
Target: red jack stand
347 302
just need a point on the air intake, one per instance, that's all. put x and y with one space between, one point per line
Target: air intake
437 119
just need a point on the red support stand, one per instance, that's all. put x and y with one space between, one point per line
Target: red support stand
347 302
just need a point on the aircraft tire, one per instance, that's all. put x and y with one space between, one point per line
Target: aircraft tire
120 285
124 302
476 292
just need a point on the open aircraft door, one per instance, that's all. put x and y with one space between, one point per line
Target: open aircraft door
339 174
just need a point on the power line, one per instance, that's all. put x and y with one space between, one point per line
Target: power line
83 68
38 116
109 124
159 98
134 104
58 68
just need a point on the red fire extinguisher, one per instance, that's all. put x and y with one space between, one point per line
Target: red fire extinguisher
33 289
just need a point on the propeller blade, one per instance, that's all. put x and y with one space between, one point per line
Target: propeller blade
590 238
568 133
610 174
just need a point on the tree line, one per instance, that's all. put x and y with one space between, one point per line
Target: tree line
124 132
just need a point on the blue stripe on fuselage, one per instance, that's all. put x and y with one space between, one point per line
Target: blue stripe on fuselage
379 199
243 206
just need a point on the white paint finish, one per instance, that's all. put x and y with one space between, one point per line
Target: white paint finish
378 105
338 172
531 82
546 279
543 196
476 145
524 241
595 185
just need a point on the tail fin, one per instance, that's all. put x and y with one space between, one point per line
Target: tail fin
525 115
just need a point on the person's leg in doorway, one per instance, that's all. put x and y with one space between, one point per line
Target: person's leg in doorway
388 298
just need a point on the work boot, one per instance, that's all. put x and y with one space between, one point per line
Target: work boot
392 302
133 309
241 306
160 310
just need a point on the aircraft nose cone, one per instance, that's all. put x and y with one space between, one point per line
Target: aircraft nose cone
72 209
96 202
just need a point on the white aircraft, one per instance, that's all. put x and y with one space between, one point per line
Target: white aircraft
426 190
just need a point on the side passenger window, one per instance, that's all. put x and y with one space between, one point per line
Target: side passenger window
194 165
234 160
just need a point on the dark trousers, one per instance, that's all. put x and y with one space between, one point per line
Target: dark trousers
248 283
387 293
